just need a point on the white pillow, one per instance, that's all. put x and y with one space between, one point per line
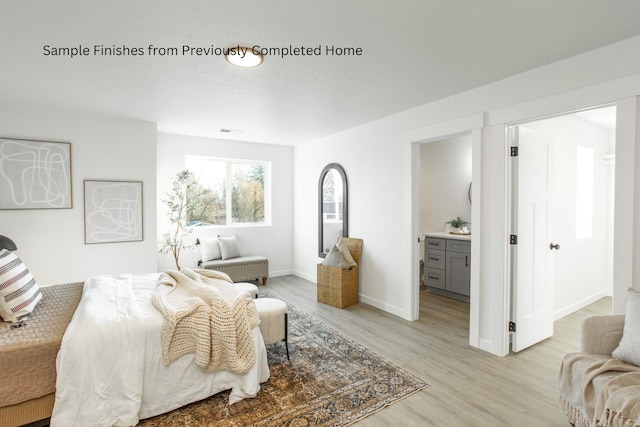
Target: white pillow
209 248
229 247
629 348
19 292
335 259
344 250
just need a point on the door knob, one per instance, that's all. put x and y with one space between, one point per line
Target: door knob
553 246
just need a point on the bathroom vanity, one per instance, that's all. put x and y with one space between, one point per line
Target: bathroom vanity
447 264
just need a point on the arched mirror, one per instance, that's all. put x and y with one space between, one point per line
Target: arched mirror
332 207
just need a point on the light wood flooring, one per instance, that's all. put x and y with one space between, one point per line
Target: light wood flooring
468 387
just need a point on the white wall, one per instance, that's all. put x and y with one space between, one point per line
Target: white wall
375 207
378 166
51 241
445 175
582 273
272 241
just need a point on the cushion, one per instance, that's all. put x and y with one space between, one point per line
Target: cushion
209 248
229 247
346 253
629 348
19 292
335 259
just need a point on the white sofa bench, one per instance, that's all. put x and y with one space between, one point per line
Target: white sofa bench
223 254
242 268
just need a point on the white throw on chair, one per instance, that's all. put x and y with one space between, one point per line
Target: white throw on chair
273 320
247 287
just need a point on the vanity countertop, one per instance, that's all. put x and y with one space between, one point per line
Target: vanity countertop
447 235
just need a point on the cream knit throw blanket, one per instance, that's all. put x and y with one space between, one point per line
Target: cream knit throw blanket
206 315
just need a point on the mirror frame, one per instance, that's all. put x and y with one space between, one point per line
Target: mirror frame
345 205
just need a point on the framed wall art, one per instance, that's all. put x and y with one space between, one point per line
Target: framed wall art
35 174
112 211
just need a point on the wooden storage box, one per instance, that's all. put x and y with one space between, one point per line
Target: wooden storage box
340 287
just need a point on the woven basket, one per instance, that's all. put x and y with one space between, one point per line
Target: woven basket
339 287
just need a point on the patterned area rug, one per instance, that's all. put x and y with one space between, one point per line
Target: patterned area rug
329 381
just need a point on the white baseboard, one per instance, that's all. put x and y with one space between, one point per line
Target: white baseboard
559 314
281 273
484 345
364 299
305 276
385 307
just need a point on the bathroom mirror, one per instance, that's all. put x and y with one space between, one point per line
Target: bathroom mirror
332 207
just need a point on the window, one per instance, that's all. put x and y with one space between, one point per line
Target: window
229 191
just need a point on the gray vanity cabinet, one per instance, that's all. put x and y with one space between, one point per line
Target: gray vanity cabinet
448 267
435 263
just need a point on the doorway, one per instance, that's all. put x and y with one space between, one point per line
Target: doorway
563 180
445 196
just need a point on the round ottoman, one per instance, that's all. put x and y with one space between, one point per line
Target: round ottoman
273 320
247 287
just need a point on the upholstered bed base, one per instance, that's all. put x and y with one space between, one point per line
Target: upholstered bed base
27 412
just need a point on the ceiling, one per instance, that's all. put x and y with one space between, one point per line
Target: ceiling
413 52
604 117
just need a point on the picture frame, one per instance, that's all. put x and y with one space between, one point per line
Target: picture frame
35 174
112 211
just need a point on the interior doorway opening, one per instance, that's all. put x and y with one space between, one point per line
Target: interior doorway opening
445 225
563 259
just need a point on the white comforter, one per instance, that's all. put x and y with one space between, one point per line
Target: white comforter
110 370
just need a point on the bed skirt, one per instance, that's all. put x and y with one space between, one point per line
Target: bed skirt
27 412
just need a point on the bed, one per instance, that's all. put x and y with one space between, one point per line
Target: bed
116 328
28 354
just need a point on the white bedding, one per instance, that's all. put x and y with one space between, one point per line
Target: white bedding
110 369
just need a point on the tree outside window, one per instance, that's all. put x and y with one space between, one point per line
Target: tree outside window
229 191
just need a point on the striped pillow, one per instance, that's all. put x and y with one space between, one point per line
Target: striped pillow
19 292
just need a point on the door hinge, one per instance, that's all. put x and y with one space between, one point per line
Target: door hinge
513 151
512 326
513 239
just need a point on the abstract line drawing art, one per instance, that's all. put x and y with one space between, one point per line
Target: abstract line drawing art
35 174
112 211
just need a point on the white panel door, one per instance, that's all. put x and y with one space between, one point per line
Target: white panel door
533 270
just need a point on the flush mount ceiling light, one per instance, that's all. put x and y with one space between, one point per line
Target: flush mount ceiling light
243 57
